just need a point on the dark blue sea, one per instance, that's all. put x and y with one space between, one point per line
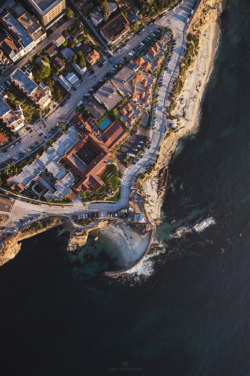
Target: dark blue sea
191 317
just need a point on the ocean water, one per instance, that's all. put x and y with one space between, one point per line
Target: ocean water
187 312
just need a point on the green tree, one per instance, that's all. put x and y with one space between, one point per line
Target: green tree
70 13
104 8
81 60
74 59
40 73
58 96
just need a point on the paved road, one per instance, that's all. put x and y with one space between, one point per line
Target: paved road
176 20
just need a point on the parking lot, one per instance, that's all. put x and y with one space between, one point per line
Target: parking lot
132 145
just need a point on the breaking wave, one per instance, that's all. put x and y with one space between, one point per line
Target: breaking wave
198 227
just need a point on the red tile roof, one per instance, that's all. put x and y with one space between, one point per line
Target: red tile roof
115 27
114 134
93 56
2 138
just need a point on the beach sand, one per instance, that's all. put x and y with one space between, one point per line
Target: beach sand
188 104
129 244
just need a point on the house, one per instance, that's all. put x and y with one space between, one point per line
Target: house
93 56
67 53
9 117
17 32
107 95
77 31
59 63
32 26
112 6
3 139
96 17
115 29
84 47
122 79
39 94
95 109
72 78
140 61
65 84
10 48
58 40
51 50
79 70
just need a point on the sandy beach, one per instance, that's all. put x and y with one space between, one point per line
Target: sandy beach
129 244
187 109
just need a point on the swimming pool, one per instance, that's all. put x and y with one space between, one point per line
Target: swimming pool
104 123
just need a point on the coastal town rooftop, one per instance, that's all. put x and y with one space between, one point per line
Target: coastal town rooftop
30 23
12 24
108 95
23 81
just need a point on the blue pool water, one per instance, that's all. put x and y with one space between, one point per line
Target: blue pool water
104 124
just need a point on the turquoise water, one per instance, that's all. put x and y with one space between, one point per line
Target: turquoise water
104 123
60 316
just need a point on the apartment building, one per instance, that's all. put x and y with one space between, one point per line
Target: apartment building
17 32
10 118
10 48
32 26
39 94
48 11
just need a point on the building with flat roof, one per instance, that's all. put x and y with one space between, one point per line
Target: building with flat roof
48 11
11 48
39 94
11 119
115 29
107 95
18 33
32 26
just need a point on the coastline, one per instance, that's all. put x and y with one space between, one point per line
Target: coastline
196 80
128 243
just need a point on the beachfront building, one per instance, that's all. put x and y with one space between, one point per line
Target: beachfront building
39 94
10 118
